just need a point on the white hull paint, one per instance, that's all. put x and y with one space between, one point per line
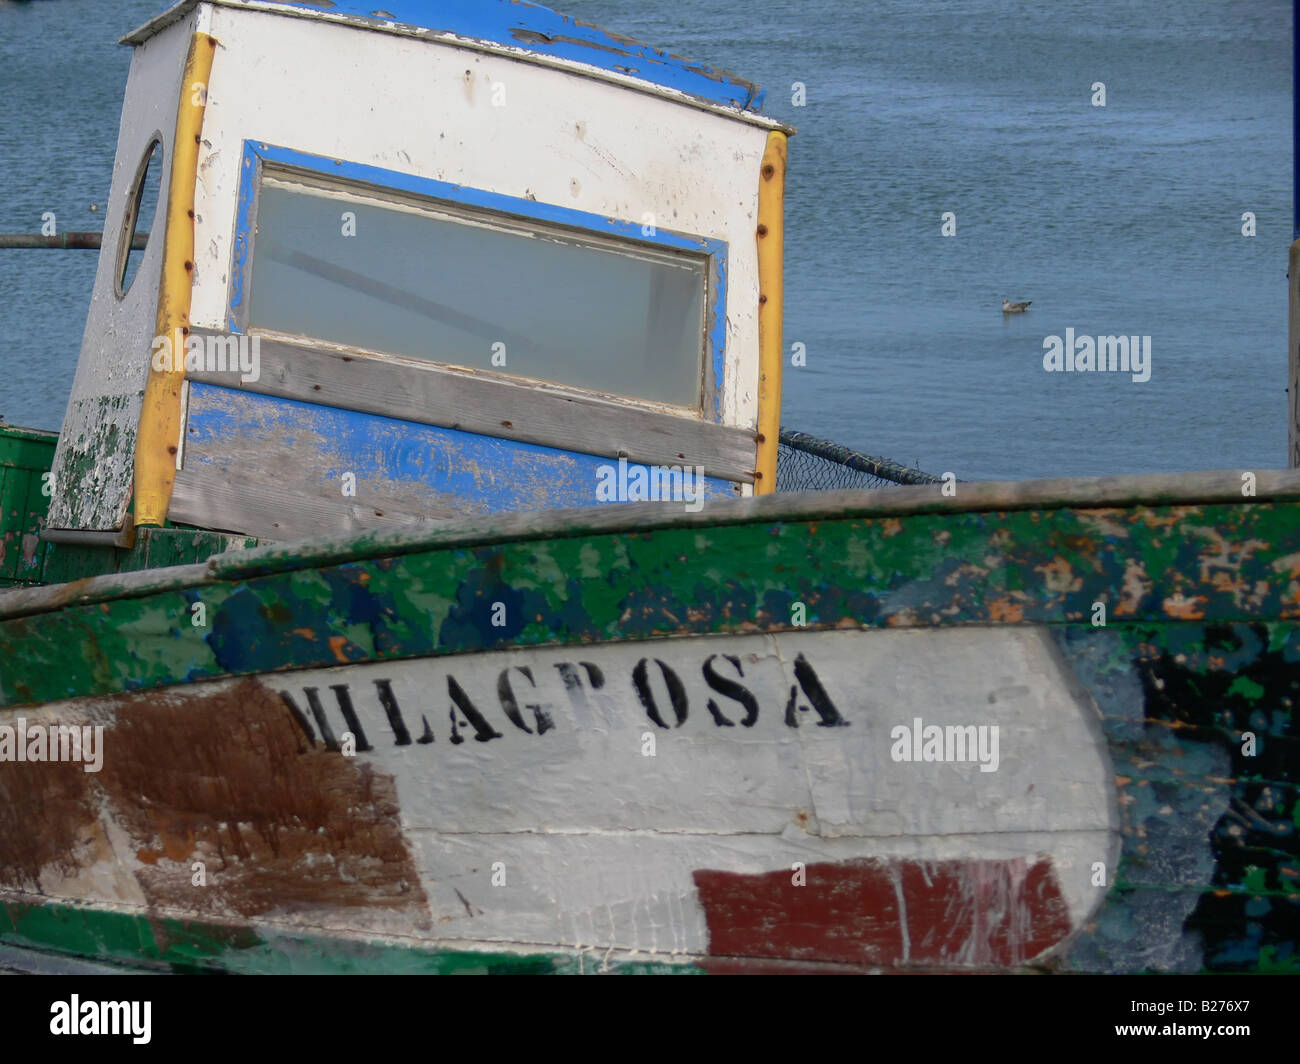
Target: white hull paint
582 823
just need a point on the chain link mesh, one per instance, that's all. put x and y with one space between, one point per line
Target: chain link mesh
806 463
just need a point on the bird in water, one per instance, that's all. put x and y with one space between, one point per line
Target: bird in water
1014 308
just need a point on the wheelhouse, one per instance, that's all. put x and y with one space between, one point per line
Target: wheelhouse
526 265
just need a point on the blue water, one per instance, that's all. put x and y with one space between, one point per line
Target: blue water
1123 219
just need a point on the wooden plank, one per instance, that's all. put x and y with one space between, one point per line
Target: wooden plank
260 506
534 412
1065 493
165 547
98 585
1277 490
310 468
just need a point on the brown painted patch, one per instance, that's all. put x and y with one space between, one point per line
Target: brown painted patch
278 822
46 811
887 914
227 778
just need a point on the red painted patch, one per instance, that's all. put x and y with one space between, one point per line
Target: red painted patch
887 914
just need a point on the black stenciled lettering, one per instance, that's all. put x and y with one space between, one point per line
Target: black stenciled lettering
299 718
389 702
322 722
816 694
483 731
427 736
732 690
676 692
573 684
511 705
344 697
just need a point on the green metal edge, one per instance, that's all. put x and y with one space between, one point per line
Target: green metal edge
199 946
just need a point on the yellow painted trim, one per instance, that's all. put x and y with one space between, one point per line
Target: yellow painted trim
771 304
160 419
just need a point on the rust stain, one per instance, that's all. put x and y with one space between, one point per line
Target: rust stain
177 842
1184 609
337 643
306 633
1004 609
1137 585
1058 576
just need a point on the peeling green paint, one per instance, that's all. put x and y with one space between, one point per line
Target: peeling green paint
1033 566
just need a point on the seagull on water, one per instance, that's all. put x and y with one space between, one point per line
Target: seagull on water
1014 308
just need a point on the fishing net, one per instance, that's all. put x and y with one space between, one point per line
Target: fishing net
805 463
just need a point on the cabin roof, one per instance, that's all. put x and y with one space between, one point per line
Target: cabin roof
503 25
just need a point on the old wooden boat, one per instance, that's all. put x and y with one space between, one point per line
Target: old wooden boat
407 590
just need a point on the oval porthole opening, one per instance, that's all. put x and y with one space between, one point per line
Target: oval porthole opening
141 202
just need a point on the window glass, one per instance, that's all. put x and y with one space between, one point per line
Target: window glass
493 293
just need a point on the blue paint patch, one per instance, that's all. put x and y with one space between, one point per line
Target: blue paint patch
487 612
422 464
531 28
256 154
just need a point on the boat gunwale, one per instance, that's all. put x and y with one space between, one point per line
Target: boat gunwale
1086 493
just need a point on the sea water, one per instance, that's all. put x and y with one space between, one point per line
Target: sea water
1117 220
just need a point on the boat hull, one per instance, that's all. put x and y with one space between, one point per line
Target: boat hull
797 740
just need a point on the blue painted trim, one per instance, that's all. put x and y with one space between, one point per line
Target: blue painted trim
487 474
250 177
528 27
255 155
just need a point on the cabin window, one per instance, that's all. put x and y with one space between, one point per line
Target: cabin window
141 202
400 274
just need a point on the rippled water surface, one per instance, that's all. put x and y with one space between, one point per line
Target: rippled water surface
1123 219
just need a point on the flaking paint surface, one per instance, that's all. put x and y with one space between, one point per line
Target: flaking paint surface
958 568
94 460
